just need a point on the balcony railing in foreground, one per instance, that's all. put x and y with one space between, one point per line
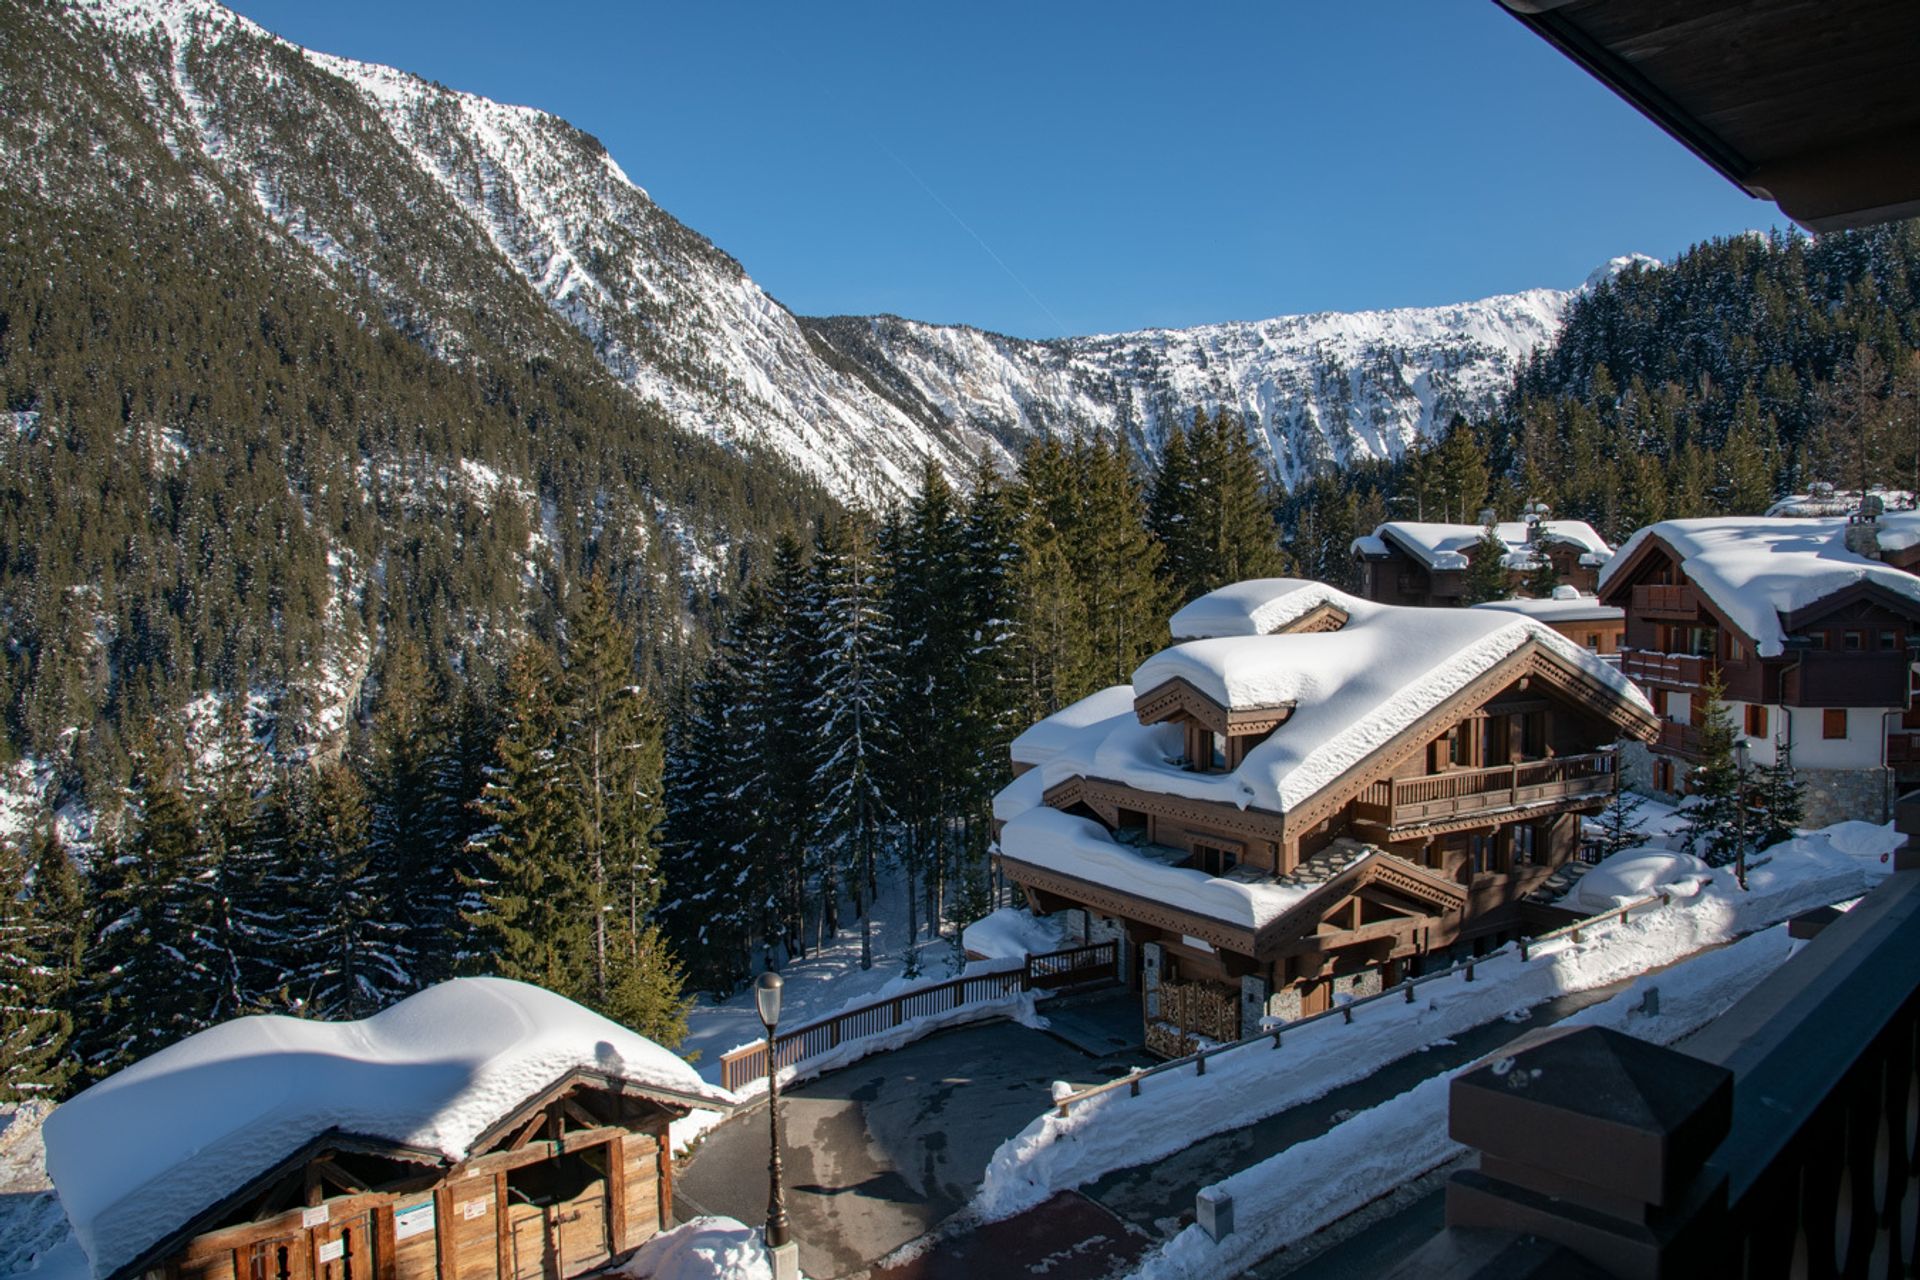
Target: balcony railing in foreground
1781 1142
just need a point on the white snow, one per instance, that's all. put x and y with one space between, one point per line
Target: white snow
1045 739
1116 1130
1444 547
1294 1193
141 1152
1013 933
1754 569
1256 607
1635 873
700 1249
1080 847
1571 607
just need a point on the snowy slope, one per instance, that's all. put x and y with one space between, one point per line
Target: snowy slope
440 200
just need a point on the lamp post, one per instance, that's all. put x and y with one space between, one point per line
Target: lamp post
1742 752
786 1254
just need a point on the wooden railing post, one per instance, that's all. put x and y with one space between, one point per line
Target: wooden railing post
1598 1142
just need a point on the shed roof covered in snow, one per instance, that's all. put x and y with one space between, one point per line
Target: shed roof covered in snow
1566 604
153 1148
1256 607
1754 569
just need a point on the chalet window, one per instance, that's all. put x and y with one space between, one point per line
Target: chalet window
1833 722
1816 639
1889 640
1662 774
1701 641
1756 721
1217 753
1736 651
1593 641
1480 853
1214 861
1854 642
1525 843
1459 746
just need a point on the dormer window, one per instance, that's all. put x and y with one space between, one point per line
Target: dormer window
1217 753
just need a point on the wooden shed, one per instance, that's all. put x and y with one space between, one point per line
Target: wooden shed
480 1130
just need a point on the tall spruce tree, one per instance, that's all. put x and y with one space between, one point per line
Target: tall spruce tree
1486 568
1711 821
1219 526
351 962
1116 563
413 799
34 1025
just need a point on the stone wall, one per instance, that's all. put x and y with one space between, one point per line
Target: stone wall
1084 926
1253 1003
1835 795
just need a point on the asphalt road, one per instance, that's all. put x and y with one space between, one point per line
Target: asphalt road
879 1153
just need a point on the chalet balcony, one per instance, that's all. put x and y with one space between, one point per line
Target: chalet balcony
1903 747
1400 803
1679 740
1679 603
1838 679
1646 667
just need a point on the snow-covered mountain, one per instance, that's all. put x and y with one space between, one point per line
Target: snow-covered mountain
456 210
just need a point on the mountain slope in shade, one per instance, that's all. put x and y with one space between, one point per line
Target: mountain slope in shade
458 212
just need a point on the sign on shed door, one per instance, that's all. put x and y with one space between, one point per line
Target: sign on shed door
343 1249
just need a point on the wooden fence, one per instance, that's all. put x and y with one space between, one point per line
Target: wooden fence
1051 971
1404 991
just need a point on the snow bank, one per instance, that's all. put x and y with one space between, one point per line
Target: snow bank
1013 933
1634 873
1296 1192
1755 569
1116 1130
701 1249
140 1153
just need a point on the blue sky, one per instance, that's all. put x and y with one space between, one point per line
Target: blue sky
1054 166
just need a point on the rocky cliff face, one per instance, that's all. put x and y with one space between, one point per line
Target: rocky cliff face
469 219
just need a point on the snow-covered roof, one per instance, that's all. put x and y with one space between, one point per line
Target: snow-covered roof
1351 691
142 1153
1082 848
1828 501
1039 744
1754 568
1256 607
1444 547
1899 530
1565 605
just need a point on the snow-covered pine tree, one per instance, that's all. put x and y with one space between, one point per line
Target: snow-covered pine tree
851 715
1619 821
1779 797
34 1027
350 964
1711 823
706 909
230 787
990 718
790 753
155 955
1486 568
535 918
1543 578
613 757
413 826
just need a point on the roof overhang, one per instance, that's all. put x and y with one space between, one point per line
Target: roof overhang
1808 104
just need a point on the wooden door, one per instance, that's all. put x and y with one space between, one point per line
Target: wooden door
343 1249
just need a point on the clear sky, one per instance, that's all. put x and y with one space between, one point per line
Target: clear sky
1050 167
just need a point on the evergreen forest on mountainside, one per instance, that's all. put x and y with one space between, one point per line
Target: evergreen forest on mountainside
338 660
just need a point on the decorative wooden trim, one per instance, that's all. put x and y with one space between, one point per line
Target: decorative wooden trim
1256 824
1322 617
1178 695
1501 817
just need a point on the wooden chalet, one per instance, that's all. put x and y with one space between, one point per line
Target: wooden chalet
479 1130
1596 627
1422 563
1309 795
1810 631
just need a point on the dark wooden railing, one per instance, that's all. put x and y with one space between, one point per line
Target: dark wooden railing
1650 667
1076 966
1781 1142
1403 801
1681 739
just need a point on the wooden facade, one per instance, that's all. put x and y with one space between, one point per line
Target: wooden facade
579 1175
1396 573
1432 841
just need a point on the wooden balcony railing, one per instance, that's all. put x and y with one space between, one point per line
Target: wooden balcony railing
1647 667
1403 802
1679 739
1665 602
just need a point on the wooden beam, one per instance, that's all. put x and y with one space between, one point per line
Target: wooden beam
386 1266
617 1242
445 1242
502 1229
526 1133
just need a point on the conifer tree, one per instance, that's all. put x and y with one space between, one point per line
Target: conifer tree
1543 578
1710 823
537 905
350 963
34 1027
1486 568
1116 563
1780 797
230 796
1230 514
412 816
1170 509
1619 821
648 987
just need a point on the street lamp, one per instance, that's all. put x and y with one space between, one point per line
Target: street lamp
1742 753
766 998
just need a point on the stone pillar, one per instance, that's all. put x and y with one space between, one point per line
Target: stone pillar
1596 1141
1151 963
1253 1003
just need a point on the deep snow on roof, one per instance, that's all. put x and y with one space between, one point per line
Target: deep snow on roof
1039 743
1445 546
1351 692
142 1153
1256 607
1569 607
1754 568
